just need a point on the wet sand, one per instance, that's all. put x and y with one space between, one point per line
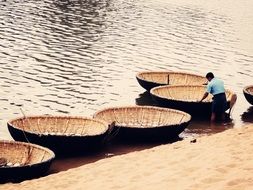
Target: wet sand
64 163
219 161
197 127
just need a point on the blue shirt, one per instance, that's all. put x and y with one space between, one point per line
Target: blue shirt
215 86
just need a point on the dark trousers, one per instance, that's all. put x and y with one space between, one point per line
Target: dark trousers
219 104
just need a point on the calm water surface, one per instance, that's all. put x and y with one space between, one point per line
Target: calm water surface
74 57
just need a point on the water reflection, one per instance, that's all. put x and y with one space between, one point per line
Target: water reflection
247 116
145 99
199 127
84 19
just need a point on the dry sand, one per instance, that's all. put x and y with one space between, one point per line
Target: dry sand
220 161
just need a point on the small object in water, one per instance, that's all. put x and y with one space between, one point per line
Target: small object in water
3 161
193 141
109 154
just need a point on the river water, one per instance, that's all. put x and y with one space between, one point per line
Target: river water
74 57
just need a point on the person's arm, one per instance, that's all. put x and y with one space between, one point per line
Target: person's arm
208 90
204 96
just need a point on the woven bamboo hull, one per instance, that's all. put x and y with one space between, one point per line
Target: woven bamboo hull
151 79
247 95
63 135
60 144
249 98
25 172
150 123
193 108
186 98
147 85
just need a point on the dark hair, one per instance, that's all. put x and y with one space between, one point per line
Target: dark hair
209 75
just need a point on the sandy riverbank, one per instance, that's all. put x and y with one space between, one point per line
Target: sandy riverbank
220 161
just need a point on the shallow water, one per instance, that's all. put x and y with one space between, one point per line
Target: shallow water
75 57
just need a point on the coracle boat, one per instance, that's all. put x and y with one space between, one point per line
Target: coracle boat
248 94
59 133
151 79
20 161
187 98
144 123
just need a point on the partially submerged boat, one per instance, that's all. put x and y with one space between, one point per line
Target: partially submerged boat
60 133
187 98
20 161
144 123
248 93
151 79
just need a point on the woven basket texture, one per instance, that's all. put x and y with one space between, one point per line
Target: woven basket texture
142 116
23 154
249 90
172 78
60 125
185 93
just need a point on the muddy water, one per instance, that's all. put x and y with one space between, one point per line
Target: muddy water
75 57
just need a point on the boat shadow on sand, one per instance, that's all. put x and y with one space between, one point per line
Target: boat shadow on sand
112 146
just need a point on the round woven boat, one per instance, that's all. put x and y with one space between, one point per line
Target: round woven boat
151 79
20 161
186 98
59 133
145 123
248 93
